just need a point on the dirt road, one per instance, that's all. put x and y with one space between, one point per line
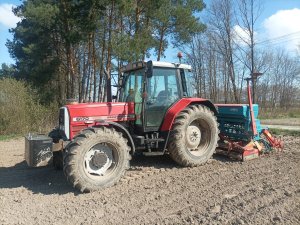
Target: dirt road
157 191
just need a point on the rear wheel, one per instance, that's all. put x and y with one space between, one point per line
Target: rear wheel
96 158
194 136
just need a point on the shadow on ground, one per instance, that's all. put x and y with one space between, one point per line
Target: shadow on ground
165 162
158 162
47 180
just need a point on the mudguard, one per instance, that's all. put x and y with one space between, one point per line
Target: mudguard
126 134
179 106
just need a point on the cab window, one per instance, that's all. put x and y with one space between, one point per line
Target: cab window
190 81
133 91
162 92
133 87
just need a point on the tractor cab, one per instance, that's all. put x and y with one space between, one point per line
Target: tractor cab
154 87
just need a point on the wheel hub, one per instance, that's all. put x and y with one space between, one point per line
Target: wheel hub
98 160
193 137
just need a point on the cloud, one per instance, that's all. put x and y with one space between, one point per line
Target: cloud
7 18
283 28
242 36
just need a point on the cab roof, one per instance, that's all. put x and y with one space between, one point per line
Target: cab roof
142 64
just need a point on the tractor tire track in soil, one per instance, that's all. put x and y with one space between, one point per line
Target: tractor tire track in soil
157 191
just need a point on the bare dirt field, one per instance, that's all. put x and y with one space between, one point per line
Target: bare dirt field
156 191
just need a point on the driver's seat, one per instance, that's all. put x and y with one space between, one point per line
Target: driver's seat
162 97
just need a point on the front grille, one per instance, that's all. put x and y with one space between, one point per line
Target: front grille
76 129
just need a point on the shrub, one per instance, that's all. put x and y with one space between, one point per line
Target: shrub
20 110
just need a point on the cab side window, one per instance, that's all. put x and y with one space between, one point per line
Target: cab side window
190 81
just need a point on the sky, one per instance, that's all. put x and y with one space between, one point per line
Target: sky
278 25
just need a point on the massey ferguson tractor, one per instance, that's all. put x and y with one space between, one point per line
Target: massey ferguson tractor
155 113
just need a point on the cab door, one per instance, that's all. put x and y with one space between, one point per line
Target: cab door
132 92
162 90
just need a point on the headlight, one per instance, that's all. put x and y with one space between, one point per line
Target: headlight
64 121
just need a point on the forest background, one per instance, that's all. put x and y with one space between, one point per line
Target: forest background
74 49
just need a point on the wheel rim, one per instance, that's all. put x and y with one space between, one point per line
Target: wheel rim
198 137
100 161
193 136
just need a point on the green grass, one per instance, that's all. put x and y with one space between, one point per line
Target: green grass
276 131
265 113
8 137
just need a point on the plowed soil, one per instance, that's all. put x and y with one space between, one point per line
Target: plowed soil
157 191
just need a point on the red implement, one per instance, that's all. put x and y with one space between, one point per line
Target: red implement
274 142
246 151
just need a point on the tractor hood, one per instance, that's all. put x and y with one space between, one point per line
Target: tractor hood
83 115
108 111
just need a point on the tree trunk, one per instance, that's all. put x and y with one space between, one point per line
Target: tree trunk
161 40
109 51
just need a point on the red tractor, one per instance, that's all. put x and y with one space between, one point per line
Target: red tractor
155 114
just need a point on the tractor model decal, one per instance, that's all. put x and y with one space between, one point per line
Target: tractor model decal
110 117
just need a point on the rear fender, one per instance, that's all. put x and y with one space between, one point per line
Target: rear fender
179 106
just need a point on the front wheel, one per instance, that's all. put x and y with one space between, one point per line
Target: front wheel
96 158
194 136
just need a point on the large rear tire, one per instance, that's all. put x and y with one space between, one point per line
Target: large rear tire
96 158
194 136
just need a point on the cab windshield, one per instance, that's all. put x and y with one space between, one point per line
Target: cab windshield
132 86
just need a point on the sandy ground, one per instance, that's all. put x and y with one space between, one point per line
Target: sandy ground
156 191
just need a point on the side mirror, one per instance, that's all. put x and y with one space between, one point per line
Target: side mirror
149 69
